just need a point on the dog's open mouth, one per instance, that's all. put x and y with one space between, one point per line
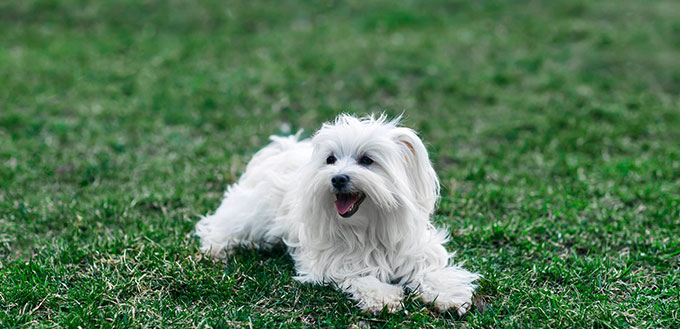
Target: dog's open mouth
348 203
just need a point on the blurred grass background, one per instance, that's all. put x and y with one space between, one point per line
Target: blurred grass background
554 127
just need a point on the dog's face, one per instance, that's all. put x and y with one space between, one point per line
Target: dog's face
370 163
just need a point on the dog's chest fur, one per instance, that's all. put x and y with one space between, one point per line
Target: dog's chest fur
378 249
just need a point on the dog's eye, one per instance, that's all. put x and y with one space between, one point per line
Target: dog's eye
366 161
330 159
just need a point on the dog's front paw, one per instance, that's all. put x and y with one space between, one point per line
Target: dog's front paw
384 297
461 305
461 300
449 289
374 296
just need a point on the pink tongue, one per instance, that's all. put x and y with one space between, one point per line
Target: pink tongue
344 202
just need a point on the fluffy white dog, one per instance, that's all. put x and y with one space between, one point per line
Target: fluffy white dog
353 206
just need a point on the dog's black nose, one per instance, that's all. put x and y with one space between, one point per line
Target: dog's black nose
340 181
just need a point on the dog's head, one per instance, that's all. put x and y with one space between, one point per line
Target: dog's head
370 162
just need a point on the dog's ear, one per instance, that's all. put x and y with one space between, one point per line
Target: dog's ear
421 175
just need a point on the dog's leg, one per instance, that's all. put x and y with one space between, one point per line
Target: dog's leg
373 295
247 214
448 288
244 218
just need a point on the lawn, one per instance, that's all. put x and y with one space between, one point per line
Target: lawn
554 127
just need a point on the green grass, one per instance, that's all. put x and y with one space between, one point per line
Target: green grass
554 127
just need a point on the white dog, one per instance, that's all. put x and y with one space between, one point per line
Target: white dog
353 206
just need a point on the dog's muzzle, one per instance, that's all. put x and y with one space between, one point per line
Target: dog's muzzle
340 182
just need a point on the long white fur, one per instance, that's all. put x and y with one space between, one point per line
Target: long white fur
285 195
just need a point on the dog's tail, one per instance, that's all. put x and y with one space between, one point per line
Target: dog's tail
285 142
